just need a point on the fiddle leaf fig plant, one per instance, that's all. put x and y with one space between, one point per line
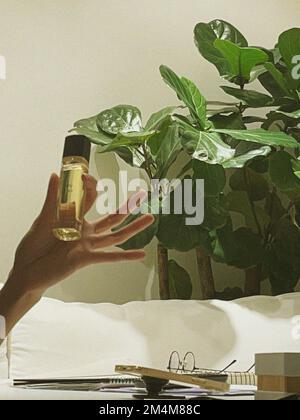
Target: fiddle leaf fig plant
247 151
264 191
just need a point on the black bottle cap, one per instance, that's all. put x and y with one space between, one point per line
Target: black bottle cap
77 145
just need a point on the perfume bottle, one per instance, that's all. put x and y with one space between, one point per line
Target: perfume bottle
71 194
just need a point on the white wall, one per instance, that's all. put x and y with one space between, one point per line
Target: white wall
71 58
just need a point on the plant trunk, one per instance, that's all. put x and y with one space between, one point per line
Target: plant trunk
253 280
206 276
163 275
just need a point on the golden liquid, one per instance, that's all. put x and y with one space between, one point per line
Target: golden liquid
71 197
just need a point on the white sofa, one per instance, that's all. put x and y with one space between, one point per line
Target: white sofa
70 339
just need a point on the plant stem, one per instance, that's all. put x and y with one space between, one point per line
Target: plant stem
290 206
251 202
270 212
147 163
205 275
163 274
253 274
253 280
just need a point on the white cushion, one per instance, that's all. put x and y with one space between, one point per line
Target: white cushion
57 339
3 360
3 356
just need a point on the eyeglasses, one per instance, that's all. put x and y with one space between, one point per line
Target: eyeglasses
186 365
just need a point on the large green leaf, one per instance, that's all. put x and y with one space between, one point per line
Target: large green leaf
180 283
88 127
282 282
211 149
283 257
91 128
257 72
242 59
205 146
197 100
290 115
187 92
173 233
215 212
239 161
89 123
270 84
279 80
250 98
241 248
205 36
274 208
233 121
251 182
295 132
127 139
96 137
224 249
168 150
289 119
282 173
238 202
213 175
120 119
250 250
280 120
157 139
225 30
173 230
289 46
159 117
130 155
261 164
269 138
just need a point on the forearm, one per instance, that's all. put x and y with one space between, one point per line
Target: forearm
14 303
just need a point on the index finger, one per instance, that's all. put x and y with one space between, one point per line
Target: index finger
90 184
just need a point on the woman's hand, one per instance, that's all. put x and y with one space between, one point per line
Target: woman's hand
41 260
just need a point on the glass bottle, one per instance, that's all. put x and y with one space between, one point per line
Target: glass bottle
71 194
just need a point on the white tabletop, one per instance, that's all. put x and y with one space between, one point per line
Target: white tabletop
8 392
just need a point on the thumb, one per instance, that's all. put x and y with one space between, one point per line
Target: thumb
49 206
